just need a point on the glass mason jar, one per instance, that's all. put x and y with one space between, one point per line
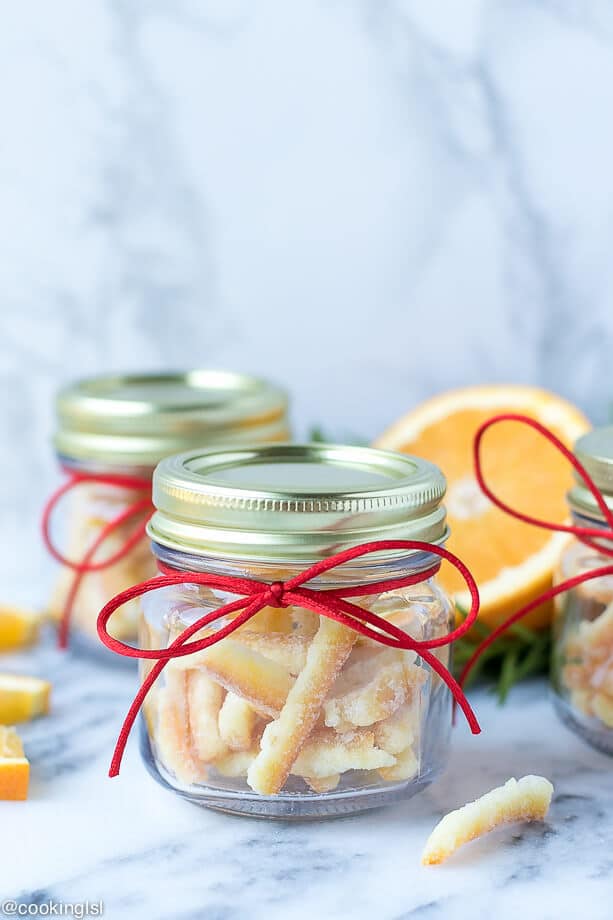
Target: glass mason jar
294 714
122 426
582 670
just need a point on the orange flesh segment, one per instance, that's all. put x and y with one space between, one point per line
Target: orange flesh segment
507 449
512 561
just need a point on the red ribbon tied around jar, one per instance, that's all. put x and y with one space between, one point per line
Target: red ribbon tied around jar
253 595
590 536
141 510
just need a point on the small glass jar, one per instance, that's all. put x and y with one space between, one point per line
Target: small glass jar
294 715
122 426
582 670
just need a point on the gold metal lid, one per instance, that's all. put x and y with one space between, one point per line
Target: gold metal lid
293 502
595 451
137 419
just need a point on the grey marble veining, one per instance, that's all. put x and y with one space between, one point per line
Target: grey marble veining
147 853
370 202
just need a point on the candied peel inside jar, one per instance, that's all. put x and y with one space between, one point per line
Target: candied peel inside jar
340 710
114 429
583 627
294 714
92 507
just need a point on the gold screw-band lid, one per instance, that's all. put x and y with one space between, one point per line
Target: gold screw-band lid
595 451
138 419
293 502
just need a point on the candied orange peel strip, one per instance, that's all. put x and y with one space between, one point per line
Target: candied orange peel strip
18 627
235 764
173 735
22 698
321 784
406 767
205 698
14 766
588 673
527 799
327 753
237 721
371 690
287 650
262 682
399 730
284 738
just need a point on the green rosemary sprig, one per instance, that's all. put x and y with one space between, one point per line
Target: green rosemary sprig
520 653
320 436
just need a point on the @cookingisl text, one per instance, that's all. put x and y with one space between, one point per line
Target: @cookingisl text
77 909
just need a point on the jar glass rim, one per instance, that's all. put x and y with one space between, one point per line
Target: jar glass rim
360 570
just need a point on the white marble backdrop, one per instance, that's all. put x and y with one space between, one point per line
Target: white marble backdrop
368 201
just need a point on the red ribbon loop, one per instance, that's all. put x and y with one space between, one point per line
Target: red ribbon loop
253 595
587 535
141 509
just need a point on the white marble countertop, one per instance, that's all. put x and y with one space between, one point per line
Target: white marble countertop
146 853
189 183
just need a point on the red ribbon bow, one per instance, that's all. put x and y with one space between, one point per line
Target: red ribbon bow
85 564
332 603
587 535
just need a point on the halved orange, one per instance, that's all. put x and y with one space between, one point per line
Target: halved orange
512 562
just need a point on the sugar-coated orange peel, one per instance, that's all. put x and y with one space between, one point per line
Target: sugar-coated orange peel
18 627
14 766
527 799
22 698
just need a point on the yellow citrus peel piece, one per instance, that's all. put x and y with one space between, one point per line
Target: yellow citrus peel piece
14 766
18 627
527 799
22 698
